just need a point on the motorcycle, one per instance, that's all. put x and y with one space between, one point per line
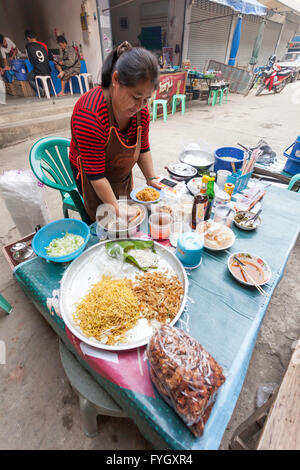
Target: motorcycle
273 77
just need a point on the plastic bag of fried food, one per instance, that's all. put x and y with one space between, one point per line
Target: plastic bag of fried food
185 374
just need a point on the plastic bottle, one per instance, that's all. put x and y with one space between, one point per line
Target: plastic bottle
199 209
210 193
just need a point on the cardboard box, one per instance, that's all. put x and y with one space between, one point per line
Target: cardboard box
19 88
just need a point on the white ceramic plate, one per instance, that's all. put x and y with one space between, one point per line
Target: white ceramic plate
88 269
255 260
225 247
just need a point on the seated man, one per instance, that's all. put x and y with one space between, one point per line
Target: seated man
39 57
8 52
68 63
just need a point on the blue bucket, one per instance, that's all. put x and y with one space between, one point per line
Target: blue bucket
18 66
232 152
292 165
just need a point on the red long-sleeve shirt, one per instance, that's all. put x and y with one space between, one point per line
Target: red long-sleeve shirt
90 125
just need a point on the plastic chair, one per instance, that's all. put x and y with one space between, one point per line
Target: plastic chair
49 158
5 305
86 77
45 85
93 399
293 181
214 95
222 91
174 100
164 105
79 84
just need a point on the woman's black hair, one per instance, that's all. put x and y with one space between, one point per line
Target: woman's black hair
133 64
61 39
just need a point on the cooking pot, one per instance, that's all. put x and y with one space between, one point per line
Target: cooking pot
181 171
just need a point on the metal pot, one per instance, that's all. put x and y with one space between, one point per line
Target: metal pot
107 223
181 171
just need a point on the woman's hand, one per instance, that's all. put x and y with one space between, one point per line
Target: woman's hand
153 182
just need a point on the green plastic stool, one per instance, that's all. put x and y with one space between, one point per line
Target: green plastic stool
293 181
164 105
5 305
214 95
222 91
174 99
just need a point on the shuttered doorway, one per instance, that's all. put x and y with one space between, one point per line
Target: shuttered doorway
208 39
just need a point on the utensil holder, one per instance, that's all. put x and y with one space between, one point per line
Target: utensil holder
240 181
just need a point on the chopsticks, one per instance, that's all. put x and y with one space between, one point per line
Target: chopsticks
242 267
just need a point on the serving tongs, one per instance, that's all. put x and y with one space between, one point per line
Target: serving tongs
242 267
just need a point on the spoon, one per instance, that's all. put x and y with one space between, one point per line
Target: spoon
252 219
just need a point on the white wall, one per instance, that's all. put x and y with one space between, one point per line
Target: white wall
43 16
175 26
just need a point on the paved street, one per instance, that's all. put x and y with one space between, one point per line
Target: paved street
38 409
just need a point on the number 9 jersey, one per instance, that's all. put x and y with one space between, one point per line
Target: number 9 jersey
38 57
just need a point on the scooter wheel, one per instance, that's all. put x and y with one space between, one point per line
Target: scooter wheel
279 88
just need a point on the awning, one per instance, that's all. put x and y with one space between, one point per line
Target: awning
281 6
248 7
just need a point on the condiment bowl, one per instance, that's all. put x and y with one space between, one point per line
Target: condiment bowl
255 260
247 214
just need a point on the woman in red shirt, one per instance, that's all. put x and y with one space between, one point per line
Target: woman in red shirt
110 128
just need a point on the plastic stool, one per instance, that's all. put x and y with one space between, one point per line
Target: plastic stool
174 99
44 79
164 105
214 94
79 83
86 77
93 399
5 305
222 91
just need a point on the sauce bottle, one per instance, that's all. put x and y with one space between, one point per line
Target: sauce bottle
199 209
210 193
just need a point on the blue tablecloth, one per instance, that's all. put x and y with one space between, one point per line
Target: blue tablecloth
222 315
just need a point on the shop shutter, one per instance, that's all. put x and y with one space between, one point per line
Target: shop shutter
208 40
288 32
271 34
250 27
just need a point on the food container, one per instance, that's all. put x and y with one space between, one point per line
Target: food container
189 249
199 159
107 222
160 226
181 171
228 158
224 215
242 216
221 198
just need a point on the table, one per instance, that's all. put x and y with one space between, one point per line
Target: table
222 315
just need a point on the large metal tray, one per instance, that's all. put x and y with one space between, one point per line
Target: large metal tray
88 268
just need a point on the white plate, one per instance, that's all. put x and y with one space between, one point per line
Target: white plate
88 269
256 260
228 244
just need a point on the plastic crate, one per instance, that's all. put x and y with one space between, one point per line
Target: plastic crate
240 182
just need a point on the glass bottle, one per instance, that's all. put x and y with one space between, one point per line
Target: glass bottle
210 193
199 209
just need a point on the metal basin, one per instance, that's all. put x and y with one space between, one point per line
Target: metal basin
199 159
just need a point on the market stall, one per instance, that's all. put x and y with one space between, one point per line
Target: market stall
223 315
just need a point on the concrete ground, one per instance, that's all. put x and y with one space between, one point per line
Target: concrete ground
38 409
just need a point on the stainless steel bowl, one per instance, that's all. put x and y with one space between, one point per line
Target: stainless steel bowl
181 171
107 223
199 159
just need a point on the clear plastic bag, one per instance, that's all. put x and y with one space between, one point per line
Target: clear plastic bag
185 374
24 198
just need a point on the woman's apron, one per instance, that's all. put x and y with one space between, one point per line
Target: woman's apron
119 161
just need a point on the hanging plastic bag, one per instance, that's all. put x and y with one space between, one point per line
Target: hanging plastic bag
23 195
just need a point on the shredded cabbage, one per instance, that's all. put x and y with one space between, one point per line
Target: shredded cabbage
65 245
